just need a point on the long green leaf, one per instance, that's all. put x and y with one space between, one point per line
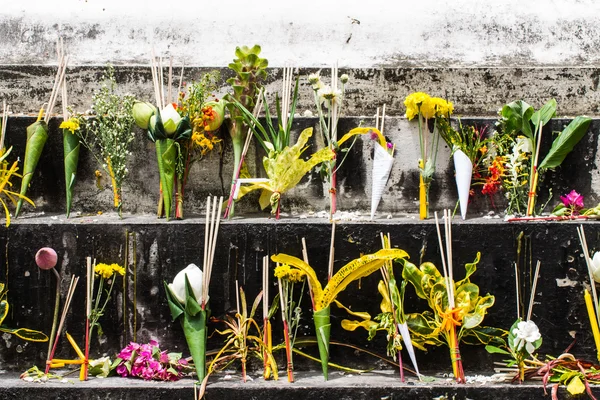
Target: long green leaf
71 146
37 135
565 142
542 116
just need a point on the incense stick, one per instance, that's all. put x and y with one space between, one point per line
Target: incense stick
518 292
180 81
63 317
533 289
382 119
377 119
170 88
331 251
265 285
5 109
439 234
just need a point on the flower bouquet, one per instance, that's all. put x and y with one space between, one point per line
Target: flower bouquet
322 297
188 294
519 122
167 129
149 362
468 147
37 133
283 163
108 135
425 107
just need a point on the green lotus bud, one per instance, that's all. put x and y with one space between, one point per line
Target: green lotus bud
142 111
170 119
213 114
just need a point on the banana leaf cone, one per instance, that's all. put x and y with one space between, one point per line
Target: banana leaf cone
323 330
37 134
168 154
193 322
71 147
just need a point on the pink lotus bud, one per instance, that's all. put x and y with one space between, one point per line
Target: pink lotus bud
46 258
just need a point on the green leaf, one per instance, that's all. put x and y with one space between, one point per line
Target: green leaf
565 142
495 350
414 275
174 304
576 386
71 146
26 334
484 335
542 116
475 318
191 303
3 310
516 118
470 269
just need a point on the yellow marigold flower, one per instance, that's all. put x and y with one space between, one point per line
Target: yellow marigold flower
291 274
414 103
72 125
104 270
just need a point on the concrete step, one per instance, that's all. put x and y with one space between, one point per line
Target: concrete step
374 386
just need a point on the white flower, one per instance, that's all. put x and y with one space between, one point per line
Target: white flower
170 118
315 80
523 145
526 333
328 95
194 275
595 266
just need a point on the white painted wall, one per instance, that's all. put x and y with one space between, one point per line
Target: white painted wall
306 33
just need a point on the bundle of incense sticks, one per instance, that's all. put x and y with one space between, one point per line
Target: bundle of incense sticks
446 254
63 317
211 231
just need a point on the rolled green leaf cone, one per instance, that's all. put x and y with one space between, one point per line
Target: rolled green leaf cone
37 135
166 154
71 147
193 323
194 328
323 330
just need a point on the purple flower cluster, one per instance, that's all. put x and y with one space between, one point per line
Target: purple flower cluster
147 361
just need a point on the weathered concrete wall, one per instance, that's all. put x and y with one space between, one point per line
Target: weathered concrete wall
474 91
312 33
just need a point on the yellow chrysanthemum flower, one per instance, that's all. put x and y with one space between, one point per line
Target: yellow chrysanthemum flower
414 103
104 270
72 125
441 107
291 274
118 269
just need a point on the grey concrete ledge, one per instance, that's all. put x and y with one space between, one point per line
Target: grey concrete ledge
474 90
309 385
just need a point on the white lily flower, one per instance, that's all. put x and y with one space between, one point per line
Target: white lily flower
170 118
523 145
526 334
595 265
194 274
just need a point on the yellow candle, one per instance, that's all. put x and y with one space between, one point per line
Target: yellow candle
77 349
422 194
593 321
